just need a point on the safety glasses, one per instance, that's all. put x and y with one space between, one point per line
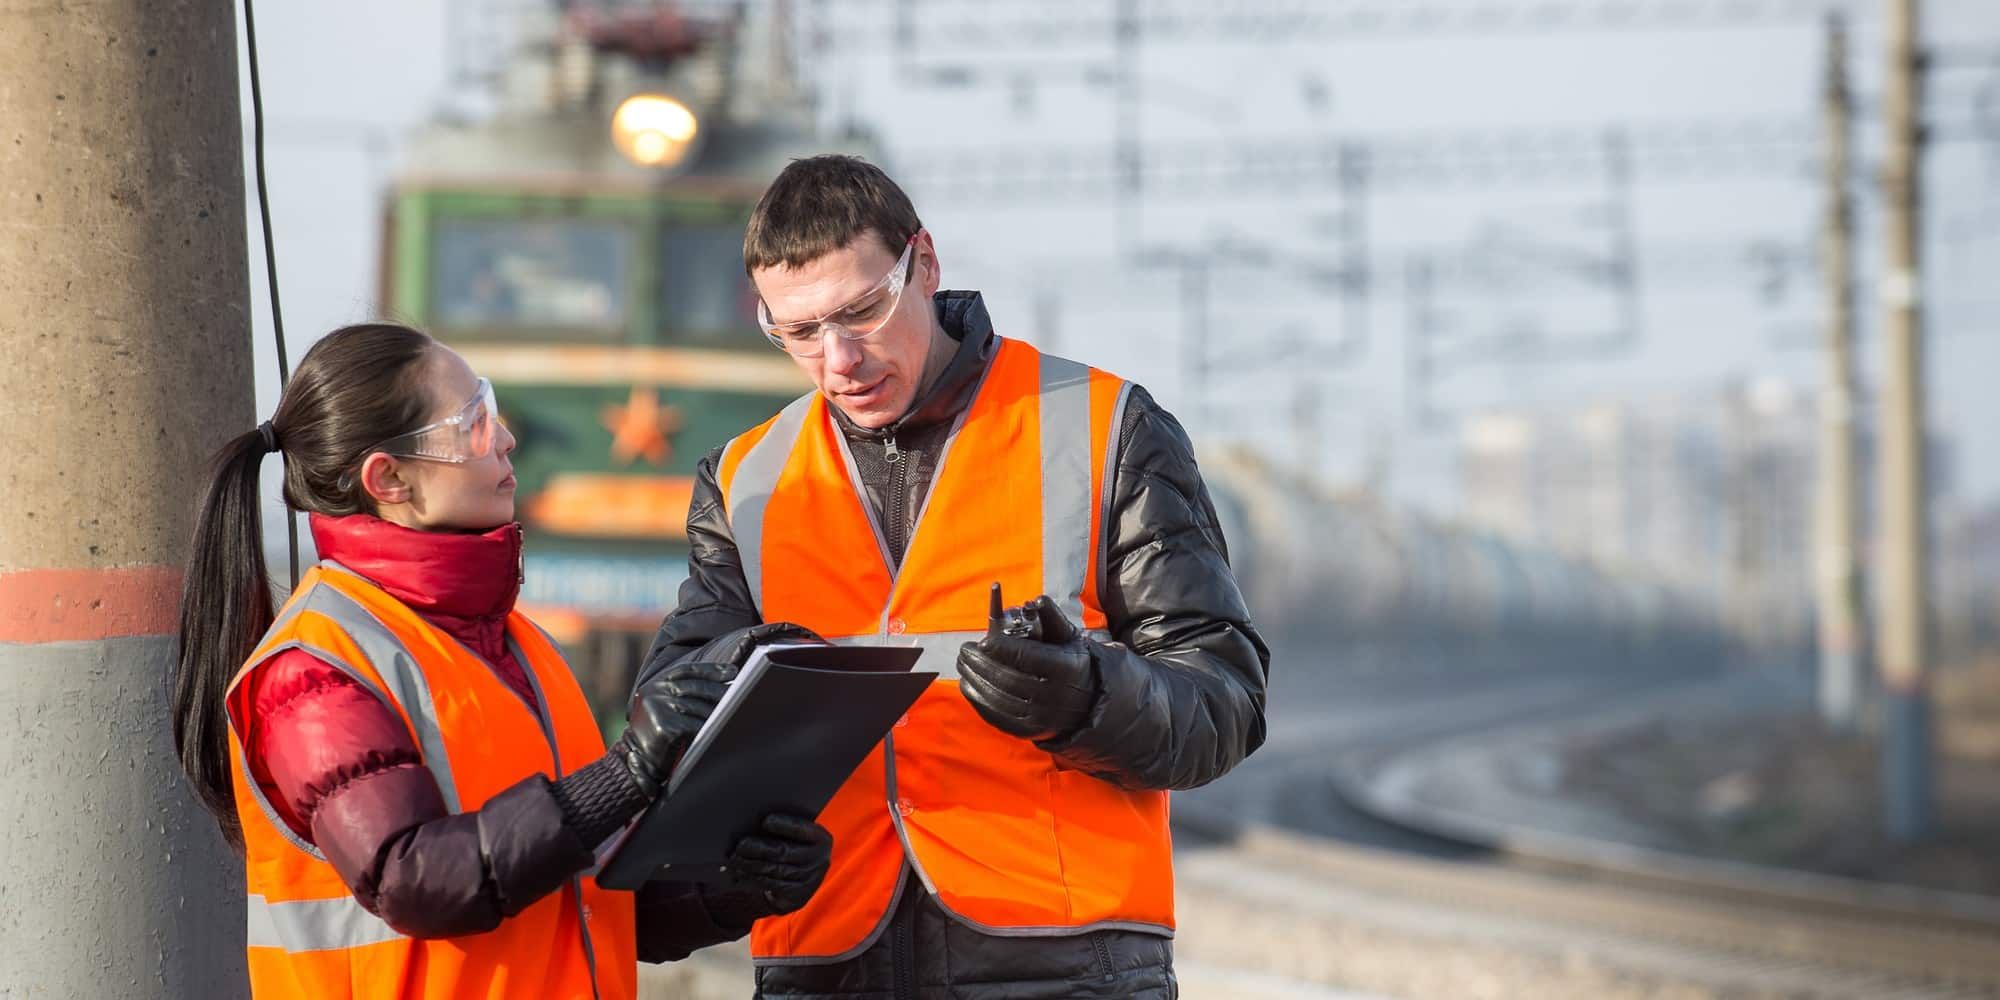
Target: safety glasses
859 319
464 436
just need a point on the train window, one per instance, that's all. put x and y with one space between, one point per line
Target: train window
704 297
531 275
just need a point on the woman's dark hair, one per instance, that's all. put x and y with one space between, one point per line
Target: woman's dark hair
359 386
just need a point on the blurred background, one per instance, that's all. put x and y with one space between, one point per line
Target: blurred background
1542 356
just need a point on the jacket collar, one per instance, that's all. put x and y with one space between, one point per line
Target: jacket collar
436 573
963 316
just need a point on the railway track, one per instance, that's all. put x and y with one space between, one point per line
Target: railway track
1571 916
1568 930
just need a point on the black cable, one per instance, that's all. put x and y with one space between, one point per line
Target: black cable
270 249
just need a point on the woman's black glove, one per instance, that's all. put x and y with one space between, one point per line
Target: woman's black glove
663 717
776 869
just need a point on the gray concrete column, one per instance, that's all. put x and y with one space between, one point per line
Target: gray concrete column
124 360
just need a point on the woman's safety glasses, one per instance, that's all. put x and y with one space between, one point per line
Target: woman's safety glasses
464 436
859 319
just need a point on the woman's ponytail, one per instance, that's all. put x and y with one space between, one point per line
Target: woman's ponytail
225 608
360 385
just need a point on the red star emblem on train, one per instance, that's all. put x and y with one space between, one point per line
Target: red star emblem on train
642 428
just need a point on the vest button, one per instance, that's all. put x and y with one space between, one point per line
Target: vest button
904 721
897 626
903 806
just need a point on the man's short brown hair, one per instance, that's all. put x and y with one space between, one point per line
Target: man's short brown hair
820 204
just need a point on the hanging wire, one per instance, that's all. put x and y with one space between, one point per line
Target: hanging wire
270 251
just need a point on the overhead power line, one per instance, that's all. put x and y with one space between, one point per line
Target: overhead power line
1481 159
1317 20
1691 150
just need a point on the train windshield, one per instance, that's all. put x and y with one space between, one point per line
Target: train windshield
532 275
705 299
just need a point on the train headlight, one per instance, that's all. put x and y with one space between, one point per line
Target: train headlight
653 130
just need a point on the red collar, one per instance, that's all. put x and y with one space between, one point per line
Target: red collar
434 572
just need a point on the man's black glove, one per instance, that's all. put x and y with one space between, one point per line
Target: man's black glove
1031 675
777 870
732 647
663 717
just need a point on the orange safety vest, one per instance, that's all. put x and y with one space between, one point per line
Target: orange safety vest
308 936
1006 839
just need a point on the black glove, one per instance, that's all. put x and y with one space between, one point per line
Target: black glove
777 870
732 647
664 715
1031 675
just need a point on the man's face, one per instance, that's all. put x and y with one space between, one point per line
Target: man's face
873 380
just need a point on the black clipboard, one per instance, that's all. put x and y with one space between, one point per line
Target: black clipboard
796 722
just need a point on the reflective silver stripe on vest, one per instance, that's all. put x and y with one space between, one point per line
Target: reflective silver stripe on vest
285 615
399 672
750 491
314 925
1115 434
1065 419
545 715
277 822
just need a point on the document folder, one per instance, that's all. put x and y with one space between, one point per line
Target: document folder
790 729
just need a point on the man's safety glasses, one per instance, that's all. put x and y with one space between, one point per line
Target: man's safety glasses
464 436
859 319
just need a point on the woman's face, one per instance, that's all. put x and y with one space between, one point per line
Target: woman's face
474 495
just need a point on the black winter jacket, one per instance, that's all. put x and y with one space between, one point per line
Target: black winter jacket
1182 683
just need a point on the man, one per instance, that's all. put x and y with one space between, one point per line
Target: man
1009 838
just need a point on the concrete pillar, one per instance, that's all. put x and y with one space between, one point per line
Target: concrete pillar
126 361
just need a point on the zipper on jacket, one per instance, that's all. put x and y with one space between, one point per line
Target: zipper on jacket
589 947
903 956
898 485
1103 955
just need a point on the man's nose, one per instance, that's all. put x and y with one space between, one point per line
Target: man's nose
843 356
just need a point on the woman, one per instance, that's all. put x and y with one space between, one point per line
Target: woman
406 762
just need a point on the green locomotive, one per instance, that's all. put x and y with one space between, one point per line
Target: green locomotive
582 247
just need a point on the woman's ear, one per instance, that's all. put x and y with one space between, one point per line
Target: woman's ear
382 477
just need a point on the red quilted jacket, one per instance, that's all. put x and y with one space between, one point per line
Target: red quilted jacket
333 731
343 772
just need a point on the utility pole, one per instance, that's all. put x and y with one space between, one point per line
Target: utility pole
1127 155
1419 362
1356 278
1842 621
1621 219
1048 320
1904 641
1306 405
1748 595
1194 333
905 33
127 337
